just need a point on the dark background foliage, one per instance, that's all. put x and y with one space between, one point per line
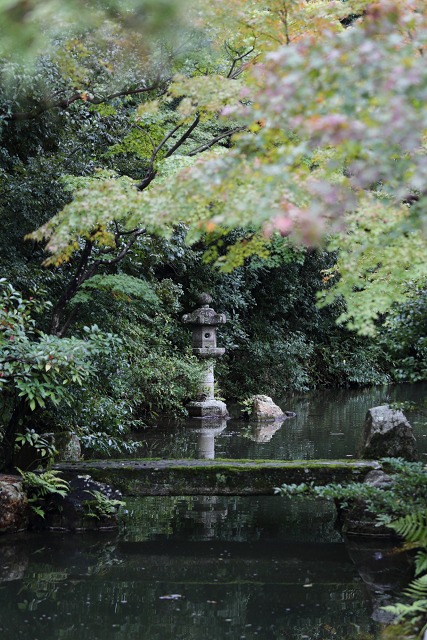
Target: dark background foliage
276 338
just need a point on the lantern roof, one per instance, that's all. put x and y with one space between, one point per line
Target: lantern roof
204 315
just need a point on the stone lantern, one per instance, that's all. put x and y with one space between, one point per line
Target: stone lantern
204 321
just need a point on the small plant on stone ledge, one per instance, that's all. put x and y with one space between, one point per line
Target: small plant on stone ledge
246 405
101 506
406 494
42 485
218 392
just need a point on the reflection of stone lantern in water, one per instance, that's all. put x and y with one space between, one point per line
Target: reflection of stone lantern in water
206 432
208 511
204 321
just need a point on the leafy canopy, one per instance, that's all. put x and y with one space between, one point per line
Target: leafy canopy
334 143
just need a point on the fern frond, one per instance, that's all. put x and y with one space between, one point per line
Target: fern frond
417 588
420 562
413 527
404 610
38 510
46 483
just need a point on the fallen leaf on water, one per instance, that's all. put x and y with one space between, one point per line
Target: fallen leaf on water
307 585
172 596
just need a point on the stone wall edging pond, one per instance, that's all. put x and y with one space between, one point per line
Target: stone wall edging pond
220 477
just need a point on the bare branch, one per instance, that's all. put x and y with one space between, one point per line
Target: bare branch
283 13
203 147
69 320
78 279
46 105
138 126
235 60
150 173
119 233
184 137
237 72
124 251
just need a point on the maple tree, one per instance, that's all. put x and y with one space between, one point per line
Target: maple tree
332 124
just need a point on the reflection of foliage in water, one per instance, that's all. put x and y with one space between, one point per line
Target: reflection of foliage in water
43 581
141 519
114 588
178 444
206 516
226 518
103 555
304 628
412 617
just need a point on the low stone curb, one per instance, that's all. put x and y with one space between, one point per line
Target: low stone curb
147 477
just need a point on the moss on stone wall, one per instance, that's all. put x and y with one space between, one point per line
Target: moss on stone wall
219 477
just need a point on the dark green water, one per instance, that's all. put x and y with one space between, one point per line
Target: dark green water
197 568
327 425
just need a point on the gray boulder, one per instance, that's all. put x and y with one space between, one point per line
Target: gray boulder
263 408
379 479
386 433
68 446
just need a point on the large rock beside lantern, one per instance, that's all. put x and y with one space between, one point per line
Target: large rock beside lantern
13 505
263 408
387 433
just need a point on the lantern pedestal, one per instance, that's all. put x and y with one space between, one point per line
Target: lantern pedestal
207 408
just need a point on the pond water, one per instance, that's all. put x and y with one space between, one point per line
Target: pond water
220 568
327 426
198 568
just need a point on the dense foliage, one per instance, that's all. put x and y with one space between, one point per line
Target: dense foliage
405 495
162 149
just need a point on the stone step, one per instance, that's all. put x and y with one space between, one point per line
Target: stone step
150 477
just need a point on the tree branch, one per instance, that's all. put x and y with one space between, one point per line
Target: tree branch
72 289
69 320
150 173
184 137
121 255
203 147
82 277
46 105
235 60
